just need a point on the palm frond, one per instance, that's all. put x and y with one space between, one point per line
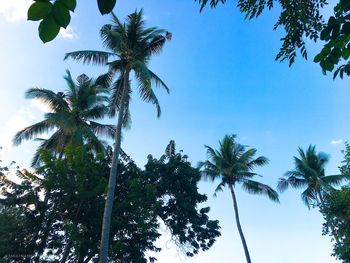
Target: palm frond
144 85
219 188
309 197
257 188
32 131
71 84
112 38
157 43
297 183
105 130
96 112
157 81
335 180
55 101
90 56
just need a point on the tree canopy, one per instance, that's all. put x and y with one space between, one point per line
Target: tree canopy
71 221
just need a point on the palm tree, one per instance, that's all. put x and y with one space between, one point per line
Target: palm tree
71 118
309 174
233 164
130 46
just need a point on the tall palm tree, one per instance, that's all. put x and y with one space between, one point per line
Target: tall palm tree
71 118
309 174
233 164
130 47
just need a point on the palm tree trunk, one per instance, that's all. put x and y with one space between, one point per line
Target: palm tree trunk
245 247
331 222
106 223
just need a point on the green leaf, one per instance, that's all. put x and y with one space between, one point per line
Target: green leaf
70 4
318 57
346 28
336 52
333 59
332 21
325 51
336 30
328 64
346 53
61 14
48 29
39 10
325 33
106 6
347 69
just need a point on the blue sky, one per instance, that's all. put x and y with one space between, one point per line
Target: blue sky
223 79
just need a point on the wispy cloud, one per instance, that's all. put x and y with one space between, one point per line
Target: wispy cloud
14 10
14 124
68 33
27 113
36 103
337 141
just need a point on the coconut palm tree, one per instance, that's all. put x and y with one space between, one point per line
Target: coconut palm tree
309 174
233 164
71 118
130 47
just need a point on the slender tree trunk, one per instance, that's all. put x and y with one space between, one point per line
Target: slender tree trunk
106 223
331 222
245 247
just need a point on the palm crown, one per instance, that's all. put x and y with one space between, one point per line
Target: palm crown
309 173
72 116
130 46
233 163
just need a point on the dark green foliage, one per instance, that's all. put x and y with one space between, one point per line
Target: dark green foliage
190 227
60 208
233 165
106 6
72 116
309 174
301 20
336 211
14 235
336 34
55 14
345 168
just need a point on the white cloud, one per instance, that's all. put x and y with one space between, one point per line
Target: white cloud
338 141
68 33
13 125
36 103
14 10
16 123
27 113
